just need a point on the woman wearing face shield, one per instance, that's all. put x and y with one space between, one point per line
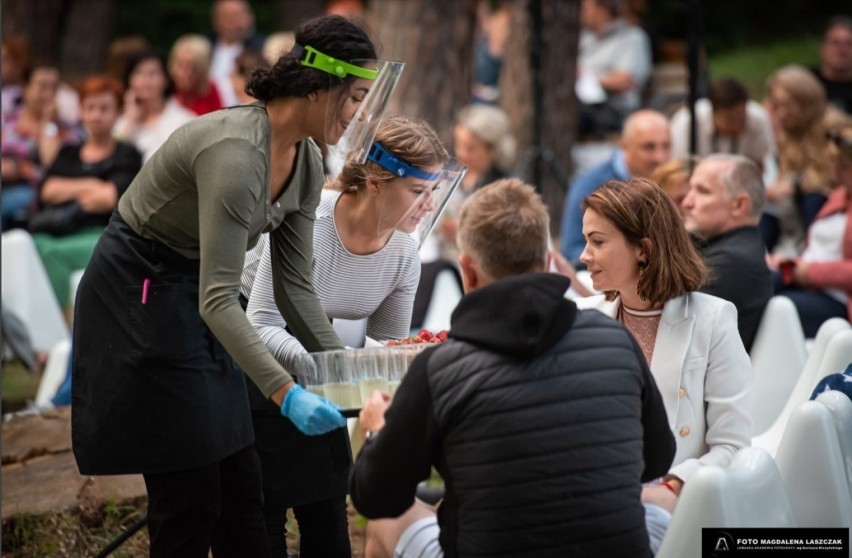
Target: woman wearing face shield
362 244
159 327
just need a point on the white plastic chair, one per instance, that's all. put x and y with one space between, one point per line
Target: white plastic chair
445 296
352 333
831 353
813 457
749 493
26 291
54 373
778 356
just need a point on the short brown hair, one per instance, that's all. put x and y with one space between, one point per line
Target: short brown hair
411 139
504 227
727 93
96 85
642 210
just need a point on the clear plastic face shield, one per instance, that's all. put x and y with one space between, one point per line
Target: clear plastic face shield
354 102
412 202
360 130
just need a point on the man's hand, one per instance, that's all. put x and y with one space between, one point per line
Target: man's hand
372 415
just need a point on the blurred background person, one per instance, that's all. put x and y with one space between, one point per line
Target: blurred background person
835 62
150 112
482 140
728 122
32 135
644 145
82 186
800 116
819 281
245 63
616 55
189 68
494 20
673 177
726 196
233 31
277 45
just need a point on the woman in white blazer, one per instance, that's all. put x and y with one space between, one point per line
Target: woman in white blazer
640 256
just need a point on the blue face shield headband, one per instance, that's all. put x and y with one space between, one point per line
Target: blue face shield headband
397 166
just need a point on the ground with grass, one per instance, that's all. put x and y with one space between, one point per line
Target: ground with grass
49 509
754 64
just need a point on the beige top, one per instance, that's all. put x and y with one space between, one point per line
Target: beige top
643 325
205 194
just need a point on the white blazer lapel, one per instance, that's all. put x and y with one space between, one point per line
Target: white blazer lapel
670 348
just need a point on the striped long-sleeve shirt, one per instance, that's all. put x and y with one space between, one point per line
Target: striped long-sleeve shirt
378 286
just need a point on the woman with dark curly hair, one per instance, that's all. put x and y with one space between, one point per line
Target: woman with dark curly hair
159 332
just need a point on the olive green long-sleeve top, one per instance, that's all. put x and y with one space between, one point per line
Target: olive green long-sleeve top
205 194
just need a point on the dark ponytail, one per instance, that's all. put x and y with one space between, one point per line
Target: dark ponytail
332 35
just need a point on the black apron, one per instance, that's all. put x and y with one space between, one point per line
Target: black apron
153 390
297 469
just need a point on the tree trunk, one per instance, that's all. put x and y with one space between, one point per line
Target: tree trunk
545 146
38 22
435 39
291 13
86 37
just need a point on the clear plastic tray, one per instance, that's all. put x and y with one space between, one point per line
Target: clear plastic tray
348 377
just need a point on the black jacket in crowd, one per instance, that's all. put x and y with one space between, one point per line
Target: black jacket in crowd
543 421
738 273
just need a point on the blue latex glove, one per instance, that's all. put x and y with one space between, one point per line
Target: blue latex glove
311 414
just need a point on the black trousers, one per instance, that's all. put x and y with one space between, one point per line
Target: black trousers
323 529
216 507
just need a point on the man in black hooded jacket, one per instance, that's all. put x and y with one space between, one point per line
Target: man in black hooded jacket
542 419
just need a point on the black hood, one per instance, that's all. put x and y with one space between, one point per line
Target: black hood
524 315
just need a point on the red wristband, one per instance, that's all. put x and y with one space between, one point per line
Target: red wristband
668 485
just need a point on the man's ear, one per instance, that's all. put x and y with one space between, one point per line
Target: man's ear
741 205
470 276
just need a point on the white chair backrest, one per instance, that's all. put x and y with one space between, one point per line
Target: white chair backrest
837 355
445 296
352 333
54 373
27 292
749 493
832 352
812 463
778 356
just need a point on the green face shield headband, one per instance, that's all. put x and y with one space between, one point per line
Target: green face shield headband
311 57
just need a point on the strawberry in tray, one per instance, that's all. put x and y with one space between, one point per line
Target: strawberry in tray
422 336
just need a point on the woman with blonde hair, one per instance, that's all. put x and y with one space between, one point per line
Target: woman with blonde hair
640 255
361 245
819 281
189 67
801 116
673 178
